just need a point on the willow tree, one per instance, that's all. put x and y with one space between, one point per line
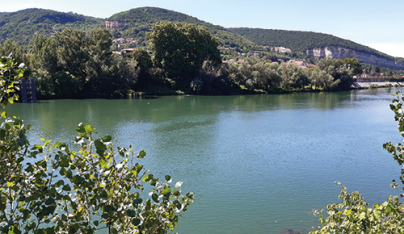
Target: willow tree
180 49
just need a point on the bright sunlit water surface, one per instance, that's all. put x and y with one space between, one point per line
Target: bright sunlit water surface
257 164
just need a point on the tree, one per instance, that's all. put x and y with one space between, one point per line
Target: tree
144 63
353 214
321 80
73 63
257 73
50 188
337 70
13 48
180 49
293 76
354 65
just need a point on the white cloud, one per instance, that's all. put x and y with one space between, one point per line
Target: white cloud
393 49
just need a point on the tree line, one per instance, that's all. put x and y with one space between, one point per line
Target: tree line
181 58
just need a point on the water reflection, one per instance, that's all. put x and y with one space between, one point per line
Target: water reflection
257 164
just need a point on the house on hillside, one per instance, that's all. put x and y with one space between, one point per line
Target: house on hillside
301 64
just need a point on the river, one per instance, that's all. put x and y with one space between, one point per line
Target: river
257 164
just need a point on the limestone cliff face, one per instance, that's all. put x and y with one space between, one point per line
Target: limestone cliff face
341 53
113 24
280 49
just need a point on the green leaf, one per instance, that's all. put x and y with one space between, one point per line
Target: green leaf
190 195
50 201
376 210
107 209
89 129
100 146
81 130
137 201
66 188
141 154
60 183
107 138
50 230
104 164
104 194
136 222
166 191
176 192
131 213
148 204
155 197
69 174
168 178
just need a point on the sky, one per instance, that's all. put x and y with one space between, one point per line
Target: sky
377 24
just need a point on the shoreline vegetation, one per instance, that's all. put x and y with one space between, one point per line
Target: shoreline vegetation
181 59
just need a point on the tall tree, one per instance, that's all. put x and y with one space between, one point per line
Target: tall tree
354 65
257 73
144 63
337 70
12 48
180 49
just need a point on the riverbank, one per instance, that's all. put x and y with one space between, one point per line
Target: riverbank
239 91
365 85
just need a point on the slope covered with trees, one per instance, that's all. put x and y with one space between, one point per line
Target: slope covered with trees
299 40
21 26
140 20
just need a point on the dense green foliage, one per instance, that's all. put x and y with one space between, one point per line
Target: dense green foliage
353 214
140 20
70 64
180 49
54 188
299 40
255 73
22 26
183 59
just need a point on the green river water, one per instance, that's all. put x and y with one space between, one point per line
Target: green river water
257 164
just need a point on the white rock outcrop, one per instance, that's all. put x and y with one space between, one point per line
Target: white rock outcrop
341 53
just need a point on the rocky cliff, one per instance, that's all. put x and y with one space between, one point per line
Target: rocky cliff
341 53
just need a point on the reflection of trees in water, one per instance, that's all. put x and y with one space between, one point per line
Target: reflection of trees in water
321 100
178 111
371 94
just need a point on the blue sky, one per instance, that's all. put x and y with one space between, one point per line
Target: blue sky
378 24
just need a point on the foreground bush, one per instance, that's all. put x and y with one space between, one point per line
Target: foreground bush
51 188
353 214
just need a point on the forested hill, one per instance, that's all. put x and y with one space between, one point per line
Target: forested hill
299 40
22 25
140 20
151 15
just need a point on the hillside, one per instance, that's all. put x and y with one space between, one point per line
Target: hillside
300 40
140 20
22 25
